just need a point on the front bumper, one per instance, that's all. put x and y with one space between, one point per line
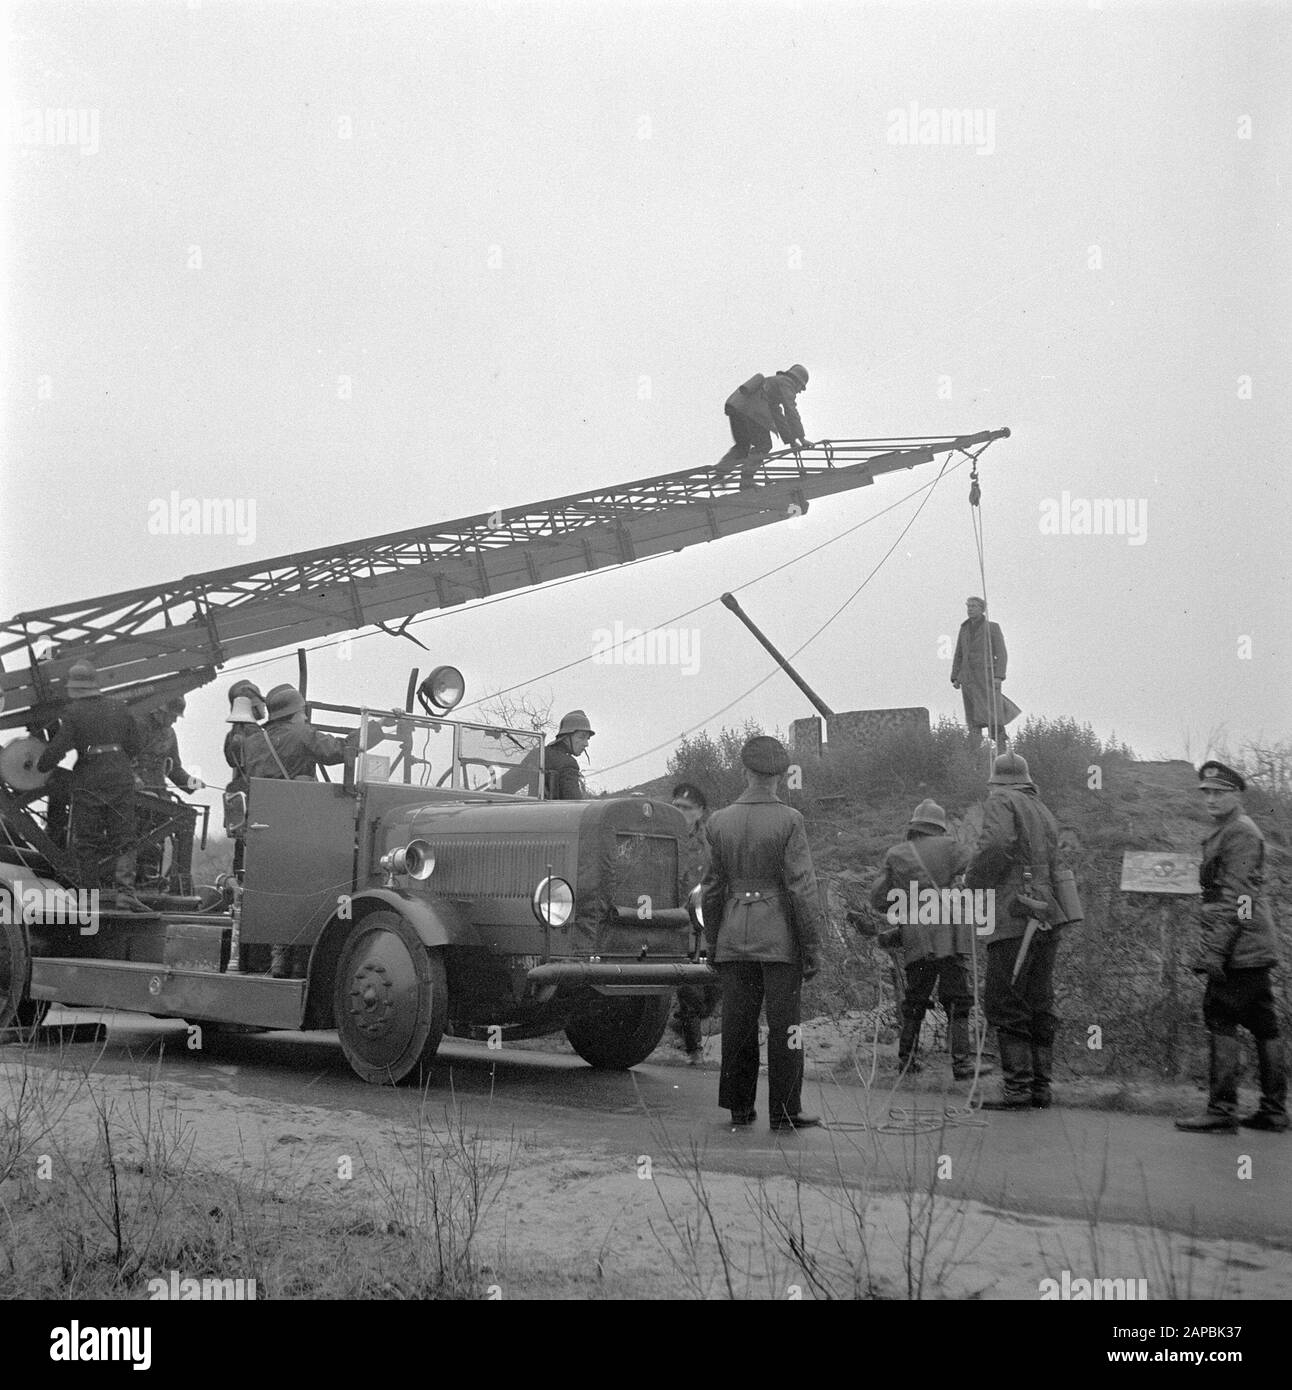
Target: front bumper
601 974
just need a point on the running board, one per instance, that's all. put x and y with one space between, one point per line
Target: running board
169 992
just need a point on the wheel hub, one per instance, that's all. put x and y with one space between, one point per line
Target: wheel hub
373 1000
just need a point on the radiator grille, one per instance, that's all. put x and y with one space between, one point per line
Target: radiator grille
489 866
645 864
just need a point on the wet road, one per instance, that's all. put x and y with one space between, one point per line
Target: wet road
1063 1162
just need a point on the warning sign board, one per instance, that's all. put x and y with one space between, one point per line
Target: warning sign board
1160 871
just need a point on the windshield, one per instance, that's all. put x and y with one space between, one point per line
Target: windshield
419 752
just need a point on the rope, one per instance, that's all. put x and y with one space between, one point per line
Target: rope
668 743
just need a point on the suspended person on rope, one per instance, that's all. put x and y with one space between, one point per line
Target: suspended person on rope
762 920
761 405
977 671
936 953
1237 951
1017 855
561 758
106 739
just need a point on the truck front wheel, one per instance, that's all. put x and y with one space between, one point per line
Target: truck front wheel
615 1034
391 999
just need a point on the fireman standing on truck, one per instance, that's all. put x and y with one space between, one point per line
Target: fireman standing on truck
763 404
246 710
287 745
561 758
105 736
157 764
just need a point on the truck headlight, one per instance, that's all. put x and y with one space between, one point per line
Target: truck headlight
416 859
553 902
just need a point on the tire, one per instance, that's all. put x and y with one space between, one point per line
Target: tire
391 999
16 1009
615 1034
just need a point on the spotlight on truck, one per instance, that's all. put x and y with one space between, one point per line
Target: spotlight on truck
441 690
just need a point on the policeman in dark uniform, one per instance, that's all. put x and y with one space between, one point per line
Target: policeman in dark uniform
106 738
1017 855
762 919
157 764
1237 950
561 758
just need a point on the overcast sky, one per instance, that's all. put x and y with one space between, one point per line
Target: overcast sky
365 266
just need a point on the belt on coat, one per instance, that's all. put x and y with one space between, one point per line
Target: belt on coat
98 749
753 888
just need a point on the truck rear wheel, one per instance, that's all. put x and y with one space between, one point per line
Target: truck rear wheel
16 1010
391 999
615 1034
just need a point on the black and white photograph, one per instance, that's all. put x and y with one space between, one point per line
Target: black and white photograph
644 657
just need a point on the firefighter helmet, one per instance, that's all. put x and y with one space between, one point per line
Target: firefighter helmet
576 722
284 700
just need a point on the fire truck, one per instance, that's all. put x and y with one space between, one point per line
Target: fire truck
429 889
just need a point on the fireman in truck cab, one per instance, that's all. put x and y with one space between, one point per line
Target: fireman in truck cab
106 738
287 746
561 758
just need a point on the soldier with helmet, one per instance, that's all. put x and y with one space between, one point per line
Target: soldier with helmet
937 954
158 763
762 920
561 758
1237 950
105 736
763 404
1017 856
246 710
287 745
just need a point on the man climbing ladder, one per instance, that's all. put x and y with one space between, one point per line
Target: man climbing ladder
761 405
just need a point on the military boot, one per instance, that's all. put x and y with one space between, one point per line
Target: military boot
753 462
1272 1114
125 885
1222 1098
1016 1069
962 1051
